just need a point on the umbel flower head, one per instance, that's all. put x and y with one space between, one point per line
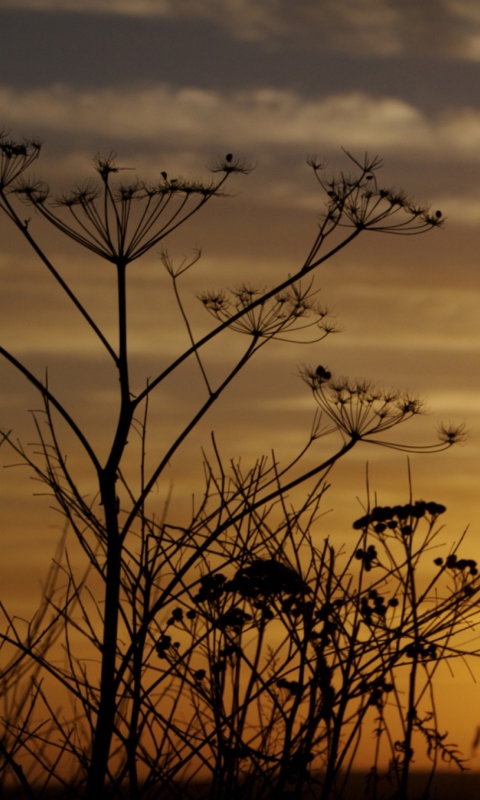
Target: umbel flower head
293 310
360 410
121 220
15 158
358 201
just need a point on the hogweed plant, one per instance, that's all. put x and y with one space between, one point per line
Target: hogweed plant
227 646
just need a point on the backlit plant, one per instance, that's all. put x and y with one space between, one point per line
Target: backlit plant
227 643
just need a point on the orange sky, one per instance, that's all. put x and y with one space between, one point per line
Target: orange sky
408 307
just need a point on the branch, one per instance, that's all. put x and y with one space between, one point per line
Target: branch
307 268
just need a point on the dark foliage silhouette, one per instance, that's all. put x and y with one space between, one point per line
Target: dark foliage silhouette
228 646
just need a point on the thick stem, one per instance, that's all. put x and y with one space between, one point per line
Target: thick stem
106 709
107 481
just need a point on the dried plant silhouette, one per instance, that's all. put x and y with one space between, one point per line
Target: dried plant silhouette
228 647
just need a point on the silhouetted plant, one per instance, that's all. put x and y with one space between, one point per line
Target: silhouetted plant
227 644
287 660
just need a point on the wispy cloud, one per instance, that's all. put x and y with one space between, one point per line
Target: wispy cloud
133 8
199 119
264 116
373 27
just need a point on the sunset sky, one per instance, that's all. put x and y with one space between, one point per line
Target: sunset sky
170 85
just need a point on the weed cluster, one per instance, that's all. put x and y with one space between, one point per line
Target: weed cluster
228 647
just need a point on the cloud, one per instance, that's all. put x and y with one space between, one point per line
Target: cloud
258 117
138 8
198 119
466 14
370 27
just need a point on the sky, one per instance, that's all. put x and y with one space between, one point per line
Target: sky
170 85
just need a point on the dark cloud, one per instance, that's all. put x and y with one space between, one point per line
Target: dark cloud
369 27
323 51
